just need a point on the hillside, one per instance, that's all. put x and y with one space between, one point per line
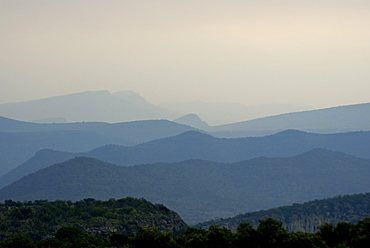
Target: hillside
196 145
92 216
200 190
134 132
87 106
18 147
42 159
330 120
20 140
305 217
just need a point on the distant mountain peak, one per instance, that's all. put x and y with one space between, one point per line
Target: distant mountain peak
87 106
192 120
131 96
191 116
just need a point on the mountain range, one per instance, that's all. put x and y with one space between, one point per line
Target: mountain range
201 171
20 140
200 190
329 120
126 106
197 145
87 106
18 147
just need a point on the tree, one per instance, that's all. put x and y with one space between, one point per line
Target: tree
194 238
67 233
246 235
119 239
271 233
326 232
219 237
152 237
18 241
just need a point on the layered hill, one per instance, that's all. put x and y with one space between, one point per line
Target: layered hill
18 147
87 106
92 216
305 217
20 140
134 132
196 145
201 190
330 120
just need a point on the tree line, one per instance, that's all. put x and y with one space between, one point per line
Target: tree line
268 234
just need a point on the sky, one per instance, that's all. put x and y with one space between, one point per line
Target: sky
302 52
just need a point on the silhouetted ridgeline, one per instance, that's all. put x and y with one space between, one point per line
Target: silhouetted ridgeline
305 217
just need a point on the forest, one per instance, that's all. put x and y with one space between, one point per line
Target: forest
132 222
41 218
269 233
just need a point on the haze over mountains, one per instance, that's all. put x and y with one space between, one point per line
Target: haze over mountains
196 145
190 166
87 106
129 106
218 113
330 120
20 140
201 190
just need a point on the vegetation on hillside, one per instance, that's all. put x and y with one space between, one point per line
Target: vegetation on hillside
41 218
269 234
306 217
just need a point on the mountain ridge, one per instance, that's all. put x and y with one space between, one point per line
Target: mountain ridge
198 145
328 120
204 190
101 106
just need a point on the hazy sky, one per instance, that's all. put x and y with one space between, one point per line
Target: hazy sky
302 52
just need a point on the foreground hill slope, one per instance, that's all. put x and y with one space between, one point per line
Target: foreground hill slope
196 145
330 120
93 216
305 217
201 190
